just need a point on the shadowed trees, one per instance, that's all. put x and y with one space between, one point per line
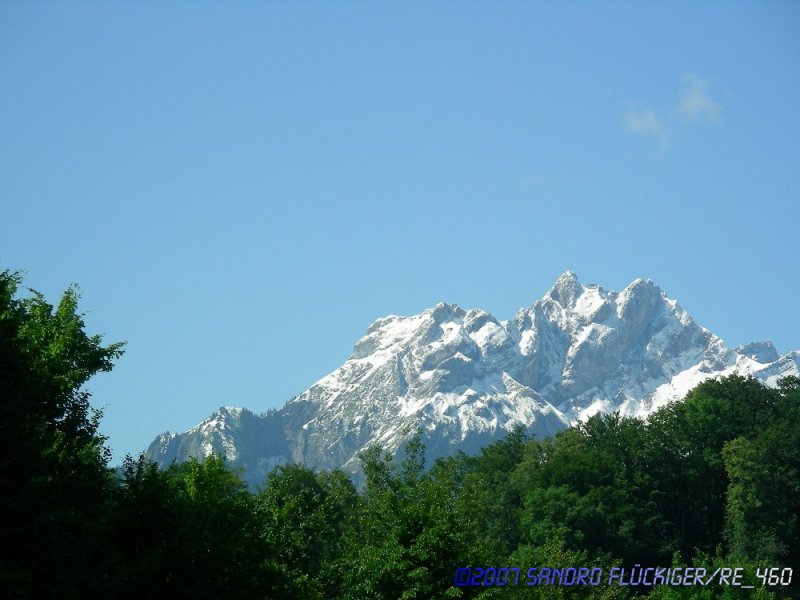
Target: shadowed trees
53 464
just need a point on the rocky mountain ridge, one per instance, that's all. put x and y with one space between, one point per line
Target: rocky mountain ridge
466 379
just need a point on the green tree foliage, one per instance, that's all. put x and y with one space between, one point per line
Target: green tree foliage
53 475
553 553
407 538
712 562
685 445
217 531
145 528
490 503
763 495
193 531
302 518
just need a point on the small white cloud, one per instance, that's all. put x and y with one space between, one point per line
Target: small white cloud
695 102
645 122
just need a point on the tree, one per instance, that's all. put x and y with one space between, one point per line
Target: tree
684 452
302 516
54 479
408 537
763 498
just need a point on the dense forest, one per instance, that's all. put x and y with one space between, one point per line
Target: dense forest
708 483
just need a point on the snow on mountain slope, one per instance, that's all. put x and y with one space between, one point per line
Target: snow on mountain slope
467 379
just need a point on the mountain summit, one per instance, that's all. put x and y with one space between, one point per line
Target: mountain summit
466 379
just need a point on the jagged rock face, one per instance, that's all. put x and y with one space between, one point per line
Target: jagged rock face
586 349
763 352
255 443
467 379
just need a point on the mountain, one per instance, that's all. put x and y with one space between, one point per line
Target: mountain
466 379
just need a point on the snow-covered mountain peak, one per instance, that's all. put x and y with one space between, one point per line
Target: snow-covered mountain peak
566 289
642 300
221 418
445 311
467 378
389 333
593 304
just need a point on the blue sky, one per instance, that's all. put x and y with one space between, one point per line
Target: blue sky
239 189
